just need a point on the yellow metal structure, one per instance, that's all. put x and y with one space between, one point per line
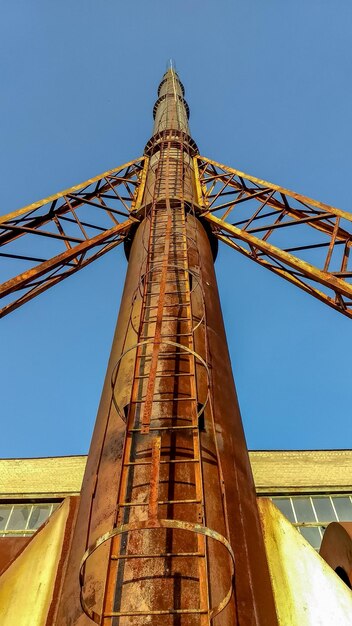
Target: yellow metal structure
28 585
307 591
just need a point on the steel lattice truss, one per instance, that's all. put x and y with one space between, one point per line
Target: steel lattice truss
55 237
302 240
305 241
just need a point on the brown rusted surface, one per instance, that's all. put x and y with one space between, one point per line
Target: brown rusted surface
253 594
154 479
73 502
10 548
336 547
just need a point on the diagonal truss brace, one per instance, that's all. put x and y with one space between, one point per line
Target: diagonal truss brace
59 235
244 212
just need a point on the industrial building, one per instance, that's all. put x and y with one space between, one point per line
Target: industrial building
312 488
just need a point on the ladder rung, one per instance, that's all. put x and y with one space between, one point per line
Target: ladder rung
160 502
183 248
162 462
168 335
168 318
149 322
160 227
174 220
166 612
142 430
159 269
168 283
175 257
159 222
153 306
155 256
167 293
165 555
180 235
160 232
163 375
180 418
181 252
153 319
160 247
165 400
178 280
167 354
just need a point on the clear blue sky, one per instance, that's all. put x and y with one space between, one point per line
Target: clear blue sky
269 87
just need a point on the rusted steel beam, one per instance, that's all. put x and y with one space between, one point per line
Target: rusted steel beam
50 281
21 230
229 234
62 260
292 194
322 213
22 279
28 221
56 196
343 306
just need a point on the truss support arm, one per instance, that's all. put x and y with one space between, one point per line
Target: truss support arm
66 231
20 281
71 190
339 286
265 185
303 240
28 279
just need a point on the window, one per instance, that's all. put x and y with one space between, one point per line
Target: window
20 520
311 514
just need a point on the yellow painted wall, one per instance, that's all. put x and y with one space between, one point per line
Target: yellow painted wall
275 471
307 591
49 477
26 587
293 471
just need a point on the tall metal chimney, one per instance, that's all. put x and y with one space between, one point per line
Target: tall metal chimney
168 531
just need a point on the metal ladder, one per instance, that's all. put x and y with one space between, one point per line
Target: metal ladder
157 570
177 312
